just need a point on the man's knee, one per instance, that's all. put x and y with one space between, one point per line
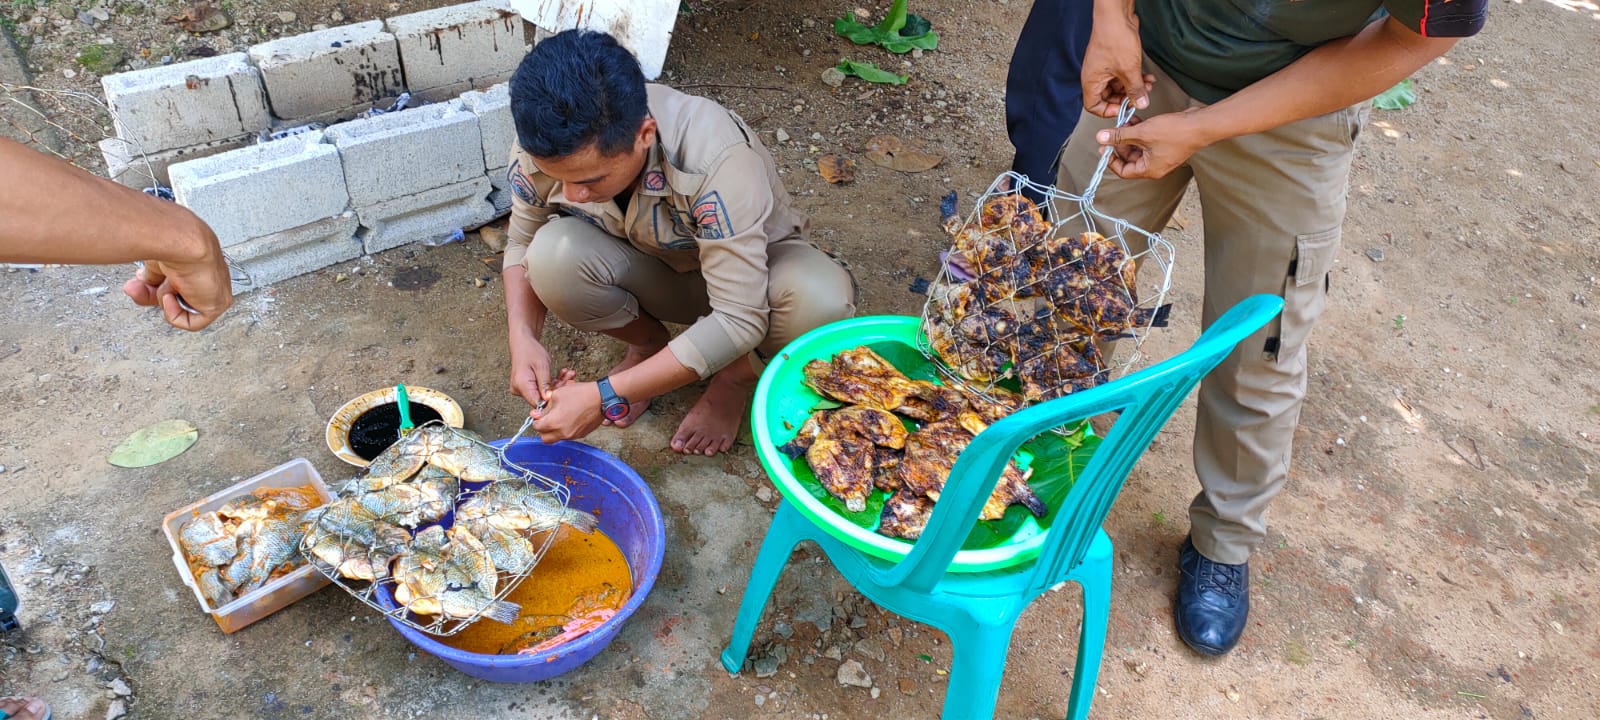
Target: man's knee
573 268
809 294
560 253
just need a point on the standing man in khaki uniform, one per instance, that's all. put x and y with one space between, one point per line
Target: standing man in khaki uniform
1260 104
636 204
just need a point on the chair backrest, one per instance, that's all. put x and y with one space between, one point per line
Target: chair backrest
1146 399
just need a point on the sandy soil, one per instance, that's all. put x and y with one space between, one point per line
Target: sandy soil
1432 557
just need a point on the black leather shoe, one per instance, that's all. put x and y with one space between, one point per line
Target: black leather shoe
1213 601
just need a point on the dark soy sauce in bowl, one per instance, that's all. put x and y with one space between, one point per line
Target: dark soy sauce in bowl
378 428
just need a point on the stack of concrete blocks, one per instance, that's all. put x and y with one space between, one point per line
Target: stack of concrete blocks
280 209
164 115
493 108
363 185
414 175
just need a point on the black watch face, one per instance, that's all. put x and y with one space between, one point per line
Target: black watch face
615 411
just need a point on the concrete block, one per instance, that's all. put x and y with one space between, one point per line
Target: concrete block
500 197
263 189
477 43
297 251
191 103
340 71
126 166
425 215
399 154
443 93
493 108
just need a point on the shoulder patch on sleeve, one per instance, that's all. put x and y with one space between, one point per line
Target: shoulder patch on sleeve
711 217
521 185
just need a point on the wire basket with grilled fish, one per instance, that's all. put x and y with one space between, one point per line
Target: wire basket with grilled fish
1032 298
444 523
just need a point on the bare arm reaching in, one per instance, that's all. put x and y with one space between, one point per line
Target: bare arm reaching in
52 212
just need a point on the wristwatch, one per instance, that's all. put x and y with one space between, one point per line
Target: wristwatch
612 405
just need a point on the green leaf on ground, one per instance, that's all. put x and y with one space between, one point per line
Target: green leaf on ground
870 73
1398 97
899 32
155 444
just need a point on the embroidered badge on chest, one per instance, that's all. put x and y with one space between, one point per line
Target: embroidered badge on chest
655 181
681 236
711 217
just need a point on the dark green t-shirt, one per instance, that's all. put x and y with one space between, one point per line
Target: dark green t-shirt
1214 48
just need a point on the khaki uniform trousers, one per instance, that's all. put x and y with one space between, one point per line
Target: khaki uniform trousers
595 281
1272 206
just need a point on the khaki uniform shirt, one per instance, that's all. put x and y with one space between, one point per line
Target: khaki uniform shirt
709 201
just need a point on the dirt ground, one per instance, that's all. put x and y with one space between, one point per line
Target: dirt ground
1433 556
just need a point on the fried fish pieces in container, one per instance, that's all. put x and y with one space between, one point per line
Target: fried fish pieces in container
280 589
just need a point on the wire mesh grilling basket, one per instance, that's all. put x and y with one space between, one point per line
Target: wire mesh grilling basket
445 524
1034 299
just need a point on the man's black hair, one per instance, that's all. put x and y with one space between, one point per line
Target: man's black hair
575 88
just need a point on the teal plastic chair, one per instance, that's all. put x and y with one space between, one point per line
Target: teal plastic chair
924 581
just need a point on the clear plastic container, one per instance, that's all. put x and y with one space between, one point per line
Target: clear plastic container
275 595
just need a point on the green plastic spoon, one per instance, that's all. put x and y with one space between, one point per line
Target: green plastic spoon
404 404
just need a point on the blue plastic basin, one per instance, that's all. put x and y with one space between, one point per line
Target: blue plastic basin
600 484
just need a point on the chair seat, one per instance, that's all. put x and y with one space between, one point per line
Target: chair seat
1010 583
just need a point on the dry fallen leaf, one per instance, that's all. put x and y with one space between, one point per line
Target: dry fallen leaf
896 154
836 169
201 17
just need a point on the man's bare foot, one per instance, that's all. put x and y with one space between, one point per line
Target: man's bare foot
24 708
636 354
713 422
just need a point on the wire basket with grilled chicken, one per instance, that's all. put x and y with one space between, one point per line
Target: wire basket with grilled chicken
1032 299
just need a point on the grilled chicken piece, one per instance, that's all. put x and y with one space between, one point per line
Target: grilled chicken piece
930 454
855 388
983 341
866 363
851 450
1004 403
928 402
860 377
1106 261
844 467
905 515
1016 213
809 430
876 426
886 468
1067 369
986 253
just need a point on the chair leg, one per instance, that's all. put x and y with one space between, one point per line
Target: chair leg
1095 579
782 535
978 663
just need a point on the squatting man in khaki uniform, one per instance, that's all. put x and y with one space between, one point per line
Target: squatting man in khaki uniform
635 204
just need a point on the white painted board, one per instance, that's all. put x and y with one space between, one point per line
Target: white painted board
642 26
